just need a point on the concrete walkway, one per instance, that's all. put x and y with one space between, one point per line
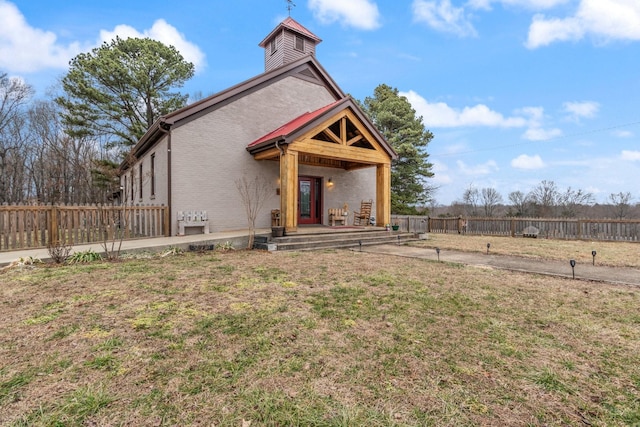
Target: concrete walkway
238 238
616 275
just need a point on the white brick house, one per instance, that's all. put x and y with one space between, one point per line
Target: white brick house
291 125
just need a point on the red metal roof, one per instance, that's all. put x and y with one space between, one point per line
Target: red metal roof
294 25
295 124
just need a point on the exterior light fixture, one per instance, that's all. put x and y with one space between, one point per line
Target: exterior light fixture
572 262
488 246
438 252
593 254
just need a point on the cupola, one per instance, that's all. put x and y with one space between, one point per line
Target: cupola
288 42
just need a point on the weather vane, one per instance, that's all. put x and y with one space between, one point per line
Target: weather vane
290 5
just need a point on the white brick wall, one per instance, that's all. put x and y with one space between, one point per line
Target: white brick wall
209 155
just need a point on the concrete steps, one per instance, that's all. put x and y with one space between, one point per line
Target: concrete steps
319 240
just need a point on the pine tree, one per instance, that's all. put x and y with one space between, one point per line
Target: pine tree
395 118
119 89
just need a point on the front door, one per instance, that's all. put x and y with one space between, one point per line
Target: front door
310 200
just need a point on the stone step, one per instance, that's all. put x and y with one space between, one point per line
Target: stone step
331 240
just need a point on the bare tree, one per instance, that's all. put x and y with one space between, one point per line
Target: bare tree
14 183
571 201
621 204
490 200
470 198
14 94
254 194
60 165
544 198
519 203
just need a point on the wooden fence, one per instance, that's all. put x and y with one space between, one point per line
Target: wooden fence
23 226
557 228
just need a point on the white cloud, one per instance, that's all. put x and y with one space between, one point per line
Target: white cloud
441 173
27 49
162 32
604 19
540 134
440 114
630 155
535 115
362 14
526 4
24 48
442 16
578 110
481 169
455 148
524 161
545 31
409 57
623 133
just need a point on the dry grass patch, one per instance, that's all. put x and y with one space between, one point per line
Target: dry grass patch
616 254
330 338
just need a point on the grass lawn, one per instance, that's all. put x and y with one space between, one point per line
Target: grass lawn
615 254
328 338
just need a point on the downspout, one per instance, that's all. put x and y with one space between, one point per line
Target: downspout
280 148
167 131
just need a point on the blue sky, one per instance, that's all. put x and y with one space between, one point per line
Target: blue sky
514 91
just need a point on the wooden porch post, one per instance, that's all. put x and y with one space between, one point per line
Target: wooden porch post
289 189
383 194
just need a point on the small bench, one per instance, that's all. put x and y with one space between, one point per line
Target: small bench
192 219
338 214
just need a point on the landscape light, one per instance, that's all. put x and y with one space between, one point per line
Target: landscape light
398 239
572 262
488 246
438 252
360 244
593 254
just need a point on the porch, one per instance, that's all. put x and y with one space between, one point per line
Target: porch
338 136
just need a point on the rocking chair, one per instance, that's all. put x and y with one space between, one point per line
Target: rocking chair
364 215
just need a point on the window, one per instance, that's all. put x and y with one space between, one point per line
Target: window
140 181
299 43
132 190
153 175
124 190
274 46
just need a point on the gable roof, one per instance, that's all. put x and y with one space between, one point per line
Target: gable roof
292 25
288 132
293 125
305 67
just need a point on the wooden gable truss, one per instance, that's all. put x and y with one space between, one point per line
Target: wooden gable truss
340 140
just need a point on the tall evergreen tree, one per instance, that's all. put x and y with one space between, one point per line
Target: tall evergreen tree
397 121
119 89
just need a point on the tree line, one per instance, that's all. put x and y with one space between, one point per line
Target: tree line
39 162
67 148
545 200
